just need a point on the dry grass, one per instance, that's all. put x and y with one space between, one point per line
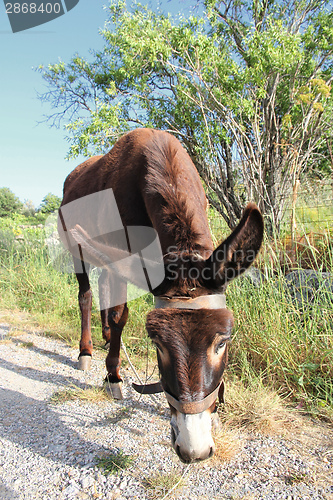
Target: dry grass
228 443
159 484
12 336
14 317
255 409
90 394
309 251
6 340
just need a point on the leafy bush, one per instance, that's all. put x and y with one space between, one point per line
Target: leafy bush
9 202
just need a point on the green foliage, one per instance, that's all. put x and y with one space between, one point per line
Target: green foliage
9 202
50 203
29 282
246 87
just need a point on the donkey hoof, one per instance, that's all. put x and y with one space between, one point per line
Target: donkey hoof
84 362
114 390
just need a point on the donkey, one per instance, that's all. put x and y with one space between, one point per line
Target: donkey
156 186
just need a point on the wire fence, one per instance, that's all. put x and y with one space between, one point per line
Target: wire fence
313 212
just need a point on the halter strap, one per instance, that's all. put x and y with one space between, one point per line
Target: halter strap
193 407
190 407
216 301
153 388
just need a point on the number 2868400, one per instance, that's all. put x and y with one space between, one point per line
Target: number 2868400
33 8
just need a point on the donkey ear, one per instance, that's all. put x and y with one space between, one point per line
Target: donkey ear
235 254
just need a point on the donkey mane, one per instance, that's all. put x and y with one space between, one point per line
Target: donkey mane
164 162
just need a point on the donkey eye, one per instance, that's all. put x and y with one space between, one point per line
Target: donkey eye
220 346
222 340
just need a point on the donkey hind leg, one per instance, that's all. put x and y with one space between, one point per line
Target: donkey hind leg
104 283
85 303
116 320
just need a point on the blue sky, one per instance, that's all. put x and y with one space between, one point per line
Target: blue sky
32 154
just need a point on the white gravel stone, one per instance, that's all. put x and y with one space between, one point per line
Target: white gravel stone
87 482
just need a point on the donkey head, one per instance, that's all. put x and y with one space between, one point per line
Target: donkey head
191 343
192 353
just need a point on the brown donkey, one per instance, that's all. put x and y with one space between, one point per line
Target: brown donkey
155 187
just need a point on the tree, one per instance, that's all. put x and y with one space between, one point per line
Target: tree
246 87
9 202
50 204
28 209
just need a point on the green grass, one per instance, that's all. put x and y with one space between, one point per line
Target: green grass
113 463
29 282
274 338
27 345
289 350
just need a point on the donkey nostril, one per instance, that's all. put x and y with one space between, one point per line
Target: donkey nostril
186 459
173 436
178 451
211 453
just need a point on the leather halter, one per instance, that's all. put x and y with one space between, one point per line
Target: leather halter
190 407
216 301
193 407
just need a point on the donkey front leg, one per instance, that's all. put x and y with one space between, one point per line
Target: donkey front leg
117 320
85 303
114 313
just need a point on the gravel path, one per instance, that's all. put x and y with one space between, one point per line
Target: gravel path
48 451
